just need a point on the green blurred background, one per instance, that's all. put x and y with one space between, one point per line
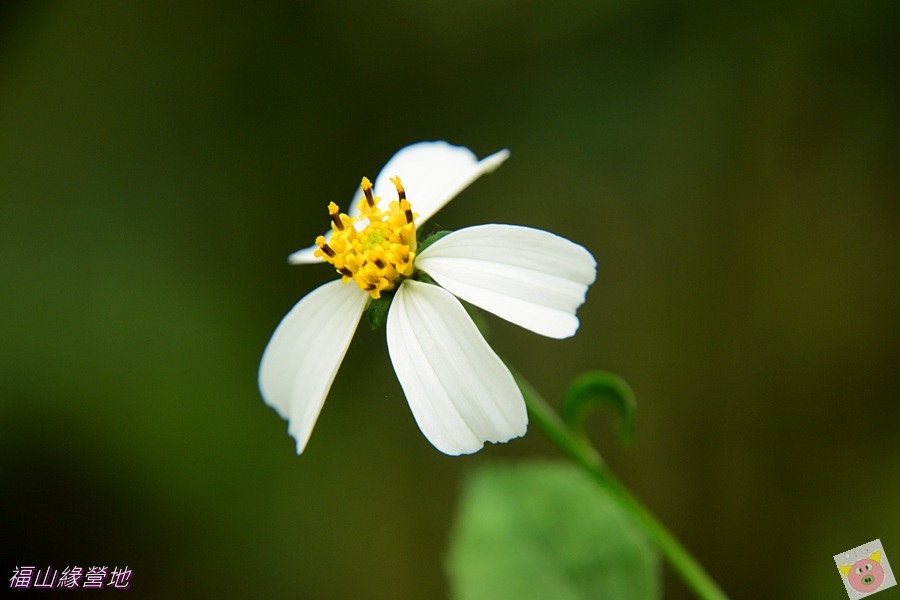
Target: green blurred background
734 170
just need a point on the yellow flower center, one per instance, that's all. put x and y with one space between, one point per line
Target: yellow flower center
379 254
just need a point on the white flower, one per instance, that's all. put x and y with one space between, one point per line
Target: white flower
460 392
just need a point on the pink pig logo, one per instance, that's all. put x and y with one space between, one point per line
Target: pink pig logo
865 575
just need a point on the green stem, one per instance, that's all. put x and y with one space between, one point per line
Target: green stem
580 450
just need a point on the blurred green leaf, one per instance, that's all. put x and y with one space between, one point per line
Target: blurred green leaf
544 530
599 388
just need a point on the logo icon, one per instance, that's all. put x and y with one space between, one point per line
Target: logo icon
865 570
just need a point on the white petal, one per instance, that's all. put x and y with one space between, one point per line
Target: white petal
433 173
305 256
529 277
461 394
303 356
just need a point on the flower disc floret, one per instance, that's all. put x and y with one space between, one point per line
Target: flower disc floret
375 250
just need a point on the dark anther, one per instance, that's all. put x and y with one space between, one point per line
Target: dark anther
336 219
369 197
327 249
345 272
379 263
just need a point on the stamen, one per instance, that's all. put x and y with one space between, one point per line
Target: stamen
320 241
367 190
333 211
407 210
401 193
345 272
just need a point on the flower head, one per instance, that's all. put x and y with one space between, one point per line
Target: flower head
381 252
460 392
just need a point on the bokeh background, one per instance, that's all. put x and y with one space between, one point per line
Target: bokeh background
734 169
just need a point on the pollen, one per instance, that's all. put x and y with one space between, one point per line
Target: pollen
376 249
